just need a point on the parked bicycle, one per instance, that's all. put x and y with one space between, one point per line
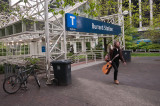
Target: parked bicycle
13 83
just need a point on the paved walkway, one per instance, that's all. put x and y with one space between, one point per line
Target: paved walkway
80 66
139 86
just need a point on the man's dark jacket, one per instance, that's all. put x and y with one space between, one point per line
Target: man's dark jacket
111 52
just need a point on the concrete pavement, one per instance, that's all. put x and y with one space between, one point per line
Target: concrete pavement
139 86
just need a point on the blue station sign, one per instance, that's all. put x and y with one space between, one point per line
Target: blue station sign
81 24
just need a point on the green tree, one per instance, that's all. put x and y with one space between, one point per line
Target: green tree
153 32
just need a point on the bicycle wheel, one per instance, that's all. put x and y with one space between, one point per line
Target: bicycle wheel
37 81
11 84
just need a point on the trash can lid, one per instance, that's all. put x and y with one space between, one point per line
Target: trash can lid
61 62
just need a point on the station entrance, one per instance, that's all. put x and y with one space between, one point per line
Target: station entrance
48 37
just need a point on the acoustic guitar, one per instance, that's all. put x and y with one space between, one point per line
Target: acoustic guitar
107 67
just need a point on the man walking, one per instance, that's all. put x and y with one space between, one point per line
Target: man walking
115 63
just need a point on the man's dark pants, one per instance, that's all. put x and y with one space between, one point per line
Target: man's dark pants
115 65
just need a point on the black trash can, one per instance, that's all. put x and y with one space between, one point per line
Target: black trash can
62 71
127 55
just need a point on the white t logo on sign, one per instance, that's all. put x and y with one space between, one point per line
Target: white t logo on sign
72 19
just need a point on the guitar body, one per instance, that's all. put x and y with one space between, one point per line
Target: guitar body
106 68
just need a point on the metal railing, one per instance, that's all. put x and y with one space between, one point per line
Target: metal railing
12 69
154 50
145 50
10 63
91 55
140 50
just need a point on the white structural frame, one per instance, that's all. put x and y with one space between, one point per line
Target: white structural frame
54 28
117 19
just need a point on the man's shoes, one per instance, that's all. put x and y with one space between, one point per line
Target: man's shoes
116 82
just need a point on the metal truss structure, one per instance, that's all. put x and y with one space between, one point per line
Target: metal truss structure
117 19
53 32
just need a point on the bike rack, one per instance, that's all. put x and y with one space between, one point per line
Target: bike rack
8 69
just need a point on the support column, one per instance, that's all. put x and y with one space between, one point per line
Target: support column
34 26
121 21
62 45
5 46
14 29
151 12
20 48
140 14
7 50
93 45
74 46
105 46
24 50
113 40
23 26
120 12
47 43
1 33
6 31
130 12
16 48
83 46
28 48
123 37
2 48
40 44
13 48
65 43
33 48
97 41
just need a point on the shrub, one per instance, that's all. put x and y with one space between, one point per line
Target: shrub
32 60
142 45
69 54
154 46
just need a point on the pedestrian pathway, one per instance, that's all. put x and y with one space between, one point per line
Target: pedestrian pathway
84 65
139 86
